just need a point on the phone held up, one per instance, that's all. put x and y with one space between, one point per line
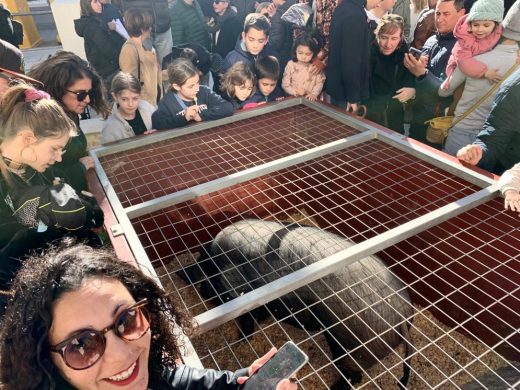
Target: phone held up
415 52
287 360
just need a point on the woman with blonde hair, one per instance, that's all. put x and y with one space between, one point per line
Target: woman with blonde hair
34 133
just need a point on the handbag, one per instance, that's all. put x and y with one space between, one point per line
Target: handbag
439 127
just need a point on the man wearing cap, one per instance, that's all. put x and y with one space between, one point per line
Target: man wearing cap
497 146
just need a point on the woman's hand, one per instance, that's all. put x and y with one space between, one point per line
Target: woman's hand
87 161
404 94
285 384
151 131
470 154
512 201
311 97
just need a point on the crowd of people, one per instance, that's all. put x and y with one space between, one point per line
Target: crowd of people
153 66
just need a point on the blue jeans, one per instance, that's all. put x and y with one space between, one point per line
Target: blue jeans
163 43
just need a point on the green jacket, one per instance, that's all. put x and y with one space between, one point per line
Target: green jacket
188 24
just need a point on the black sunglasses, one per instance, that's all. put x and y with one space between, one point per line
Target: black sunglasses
219 1
81 95
86 347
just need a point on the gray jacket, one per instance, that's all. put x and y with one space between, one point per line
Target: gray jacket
502 57
117 127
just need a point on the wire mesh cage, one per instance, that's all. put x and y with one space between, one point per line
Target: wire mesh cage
388 264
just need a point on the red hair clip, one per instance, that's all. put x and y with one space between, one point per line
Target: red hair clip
35 94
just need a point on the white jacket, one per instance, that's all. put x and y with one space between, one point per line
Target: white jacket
117 127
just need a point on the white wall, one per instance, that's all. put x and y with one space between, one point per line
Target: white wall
65 11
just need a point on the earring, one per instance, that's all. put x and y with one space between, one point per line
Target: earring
33 155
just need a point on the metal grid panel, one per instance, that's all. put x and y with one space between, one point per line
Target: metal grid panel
466 271
155 170
358 192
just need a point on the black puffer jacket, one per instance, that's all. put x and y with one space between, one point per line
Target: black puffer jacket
281 38
188 378
157 8
102 45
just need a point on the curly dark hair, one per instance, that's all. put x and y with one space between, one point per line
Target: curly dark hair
64 68
25 357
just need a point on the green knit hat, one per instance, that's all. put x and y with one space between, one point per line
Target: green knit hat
487 10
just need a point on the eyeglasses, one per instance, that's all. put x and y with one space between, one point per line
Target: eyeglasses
81 95
86 347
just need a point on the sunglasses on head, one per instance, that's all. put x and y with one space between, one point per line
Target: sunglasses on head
81 95
85 348
219 1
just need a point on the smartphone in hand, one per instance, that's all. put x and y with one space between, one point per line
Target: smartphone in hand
287 360
415 52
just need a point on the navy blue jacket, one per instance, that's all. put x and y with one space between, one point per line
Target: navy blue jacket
348 69
240 54
259 97
500 136
427 103
170 113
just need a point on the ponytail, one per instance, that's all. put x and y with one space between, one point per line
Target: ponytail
25 107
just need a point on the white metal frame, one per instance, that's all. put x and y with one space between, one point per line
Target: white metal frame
230 310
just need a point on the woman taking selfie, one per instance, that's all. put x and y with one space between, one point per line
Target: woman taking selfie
33 211
80 318
70 81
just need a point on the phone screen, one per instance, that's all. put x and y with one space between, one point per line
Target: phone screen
285 362
416 53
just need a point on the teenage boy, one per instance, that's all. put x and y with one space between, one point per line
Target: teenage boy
253 44
267 88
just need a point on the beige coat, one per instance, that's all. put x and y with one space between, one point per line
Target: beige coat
150 72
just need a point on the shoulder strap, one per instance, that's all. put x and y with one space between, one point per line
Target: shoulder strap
488 93
138 64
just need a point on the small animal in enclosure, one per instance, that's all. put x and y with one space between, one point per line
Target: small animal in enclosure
363 307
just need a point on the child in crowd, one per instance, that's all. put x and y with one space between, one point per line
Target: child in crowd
267 75
253 43
509 184
188 101
298 80
130 115
477 33
238 84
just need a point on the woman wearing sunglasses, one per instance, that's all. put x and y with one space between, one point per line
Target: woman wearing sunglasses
81 319
70 81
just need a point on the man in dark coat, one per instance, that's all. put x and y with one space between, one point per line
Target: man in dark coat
161 32
430 69
281 38
227 28
348 69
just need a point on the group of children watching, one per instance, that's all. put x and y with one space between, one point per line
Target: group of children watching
253 77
